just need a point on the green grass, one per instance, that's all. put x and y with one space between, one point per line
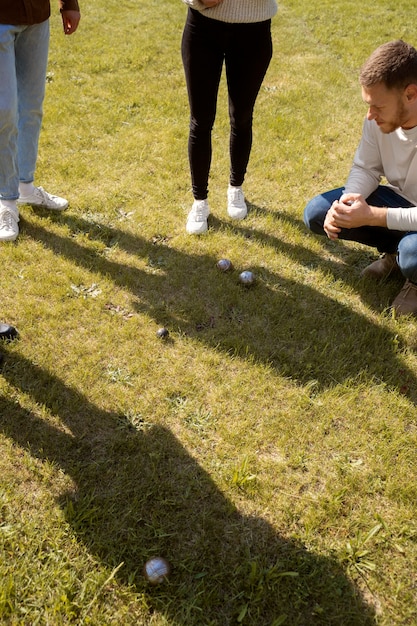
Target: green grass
267 447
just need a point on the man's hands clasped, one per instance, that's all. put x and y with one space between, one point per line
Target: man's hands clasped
352 211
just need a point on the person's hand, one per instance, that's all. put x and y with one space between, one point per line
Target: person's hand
347 212
352 211
211 3
70 21
330 226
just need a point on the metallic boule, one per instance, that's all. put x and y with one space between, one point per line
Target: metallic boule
247 278
224 265
156 570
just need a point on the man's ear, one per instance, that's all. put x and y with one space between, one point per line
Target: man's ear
411 93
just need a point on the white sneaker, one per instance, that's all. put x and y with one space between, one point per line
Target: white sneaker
42 198
236 205
197 218
9 217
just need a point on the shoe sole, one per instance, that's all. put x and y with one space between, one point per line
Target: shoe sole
43 206
196 232
240 216
8 333
9 238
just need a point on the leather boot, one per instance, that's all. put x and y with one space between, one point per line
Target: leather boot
406 301
381 268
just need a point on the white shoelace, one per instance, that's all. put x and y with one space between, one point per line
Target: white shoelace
200 213
43 195
8 220
236 196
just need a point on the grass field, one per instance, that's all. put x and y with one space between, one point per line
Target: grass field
267 448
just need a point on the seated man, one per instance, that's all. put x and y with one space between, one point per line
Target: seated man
382 216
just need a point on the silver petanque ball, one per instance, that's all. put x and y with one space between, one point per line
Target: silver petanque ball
224 265
247 278
162 333
156 570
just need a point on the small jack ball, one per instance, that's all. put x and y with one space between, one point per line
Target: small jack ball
156 570
247 278
224 265
162 333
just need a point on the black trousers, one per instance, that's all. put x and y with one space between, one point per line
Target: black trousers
246 50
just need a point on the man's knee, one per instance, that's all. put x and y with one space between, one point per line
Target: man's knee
407 256
315 213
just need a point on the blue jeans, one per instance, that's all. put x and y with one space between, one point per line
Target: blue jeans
23 63
385 240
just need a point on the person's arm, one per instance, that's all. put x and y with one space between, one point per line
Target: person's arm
367 169
352 211
69 5
402 219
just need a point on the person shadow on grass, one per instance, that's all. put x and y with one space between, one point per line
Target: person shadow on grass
284 323
138 493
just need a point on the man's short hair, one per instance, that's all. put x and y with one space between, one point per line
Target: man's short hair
394 64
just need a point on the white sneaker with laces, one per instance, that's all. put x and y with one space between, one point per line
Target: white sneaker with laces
42 198
236 205
197 218
9 217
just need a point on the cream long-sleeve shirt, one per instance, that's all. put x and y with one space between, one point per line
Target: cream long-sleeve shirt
237 11
393 156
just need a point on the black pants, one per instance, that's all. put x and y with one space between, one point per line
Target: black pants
246 50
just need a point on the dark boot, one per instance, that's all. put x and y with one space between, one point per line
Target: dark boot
406 301
382 268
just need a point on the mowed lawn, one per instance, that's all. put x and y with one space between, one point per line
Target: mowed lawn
267 447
